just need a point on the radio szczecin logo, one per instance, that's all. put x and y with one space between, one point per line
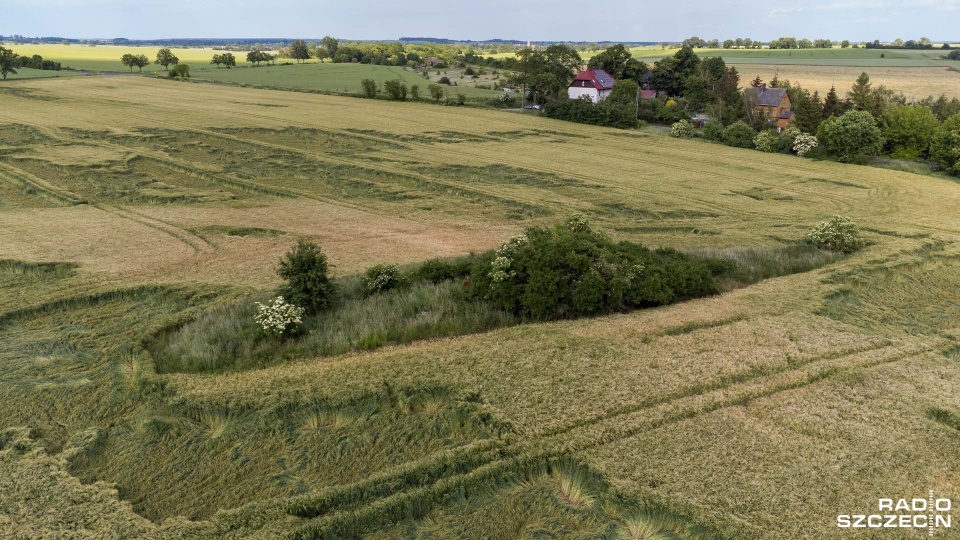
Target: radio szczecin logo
930 513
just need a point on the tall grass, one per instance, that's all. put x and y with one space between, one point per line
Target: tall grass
227 338
751 265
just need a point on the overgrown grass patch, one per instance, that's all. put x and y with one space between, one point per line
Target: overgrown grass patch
750 265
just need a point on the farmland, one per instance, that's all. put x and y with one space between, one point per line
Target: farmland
130 206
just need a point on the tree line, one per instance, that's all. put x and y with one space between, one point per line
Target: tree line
10 62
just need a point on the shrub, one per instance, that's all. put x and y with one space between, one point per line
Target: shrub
461 99
368 88
739 134
682 129
383 277
584 111
395 89
713 131
852 137
907 130
804 143
278 317
444 80
436 91
438 271
415 92
305 269
945 145
569 271
766 141
837 234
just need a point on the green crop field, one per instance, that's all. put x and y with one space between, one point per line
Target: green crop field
134 208
339 78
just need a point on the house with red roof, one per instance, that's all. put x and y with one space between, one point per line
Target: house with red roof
593 83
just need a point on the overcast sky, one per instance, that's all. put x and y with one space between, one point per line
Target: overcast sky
573 20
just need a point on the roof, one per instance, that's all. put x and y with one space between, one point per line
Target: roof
786 116
700 116
648 94
769 97
596 78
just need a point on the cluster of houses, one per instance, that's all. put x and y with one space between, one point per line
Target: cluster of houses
770 103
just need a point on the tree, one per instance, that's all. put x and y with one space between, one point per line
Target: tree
624 92
181 70
395 89
619 62
832 105
299 51
670 74
852 137
127 60
331 45
141 61
908 130
545 85
756 82
806 107
216 60
728 44
165 58
861 96
436 92
256 56
7 60
368 88
844 44
305 270
945 145
229 60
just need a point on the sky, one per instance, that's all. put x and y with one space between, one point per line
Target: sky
537 20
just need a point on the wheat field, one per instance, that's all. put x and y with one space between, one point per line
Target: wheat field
760 413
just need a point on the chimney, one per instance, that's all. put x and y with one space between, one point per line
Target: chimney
763 87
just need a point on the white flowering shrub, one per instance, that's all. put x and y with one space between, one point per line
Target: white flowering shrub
766 141
513 245
578 223
804 143
383 277
500 269
681 130
278 317
837 234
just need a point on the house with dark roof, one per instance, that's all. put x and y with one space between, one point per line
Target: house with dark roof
773 104
593 83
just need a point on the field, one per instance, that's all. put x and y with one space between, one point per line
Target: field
311 75
915 83
130 205
107 57
339 78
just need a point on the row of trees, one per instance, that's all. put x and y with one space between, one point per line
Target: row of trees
226 59
11 61
396 89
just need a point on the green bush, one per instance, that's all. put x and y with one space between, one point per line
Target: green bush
739 134
438 270
383 277
766 141
945 145
714 131
682 129
395 89
837 234
305 269
584 111
570 271
852 137
415 92
908 130
368 88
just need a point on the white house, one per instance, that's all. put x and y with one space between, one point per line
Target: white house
594 83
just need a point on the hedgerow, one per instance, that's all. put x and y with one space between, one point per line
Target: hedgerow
571 271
